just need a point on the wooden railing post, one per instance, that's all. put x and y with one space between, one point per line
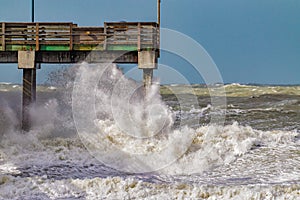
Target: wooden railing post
105 37
3 36
37 42
139 37
71 37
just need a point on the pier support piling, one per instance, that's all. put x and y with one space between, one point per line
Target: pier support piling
147 78
26 61
28 97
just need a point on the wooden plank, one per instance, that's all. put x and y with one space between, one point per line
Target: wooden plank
16 24
21 42
20 24
86 28
45 32
10 36
89 35
55 42
20 30
88 43
131 23
56 29
78 33
55 23
55 37
34 23
60 25
126 43
41 42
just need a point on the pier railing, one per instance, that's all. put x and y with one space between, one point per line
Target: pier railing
45 36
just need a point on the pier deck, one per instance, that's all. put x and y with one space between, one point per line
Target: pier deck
30 44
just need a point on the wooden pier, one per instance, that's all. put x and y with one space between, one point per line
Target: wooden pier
30 44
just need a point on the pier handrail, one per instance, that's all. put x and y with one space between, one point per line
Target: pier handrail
68 36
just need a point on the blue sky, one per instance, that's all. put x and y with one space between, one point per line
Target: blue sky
250 41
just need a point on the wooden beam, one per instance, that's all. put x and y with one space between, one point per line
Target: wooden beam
8 57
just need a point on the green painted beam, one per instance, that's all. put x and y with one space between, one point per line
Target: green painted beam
54 47
19 47
83 47
122 47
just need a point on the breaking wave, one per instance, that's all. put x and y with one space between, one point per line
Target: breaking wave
53 161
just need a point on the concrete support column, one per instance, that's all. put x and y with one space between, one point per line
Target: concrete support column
26 61
147 60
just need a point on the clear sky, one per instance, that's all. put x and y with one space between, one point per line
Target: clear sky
251 41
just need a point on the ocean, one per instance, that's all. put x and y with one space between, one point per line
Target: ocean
102 137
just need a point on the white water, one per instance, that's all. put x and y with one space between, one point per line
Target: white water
230 162
62 167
